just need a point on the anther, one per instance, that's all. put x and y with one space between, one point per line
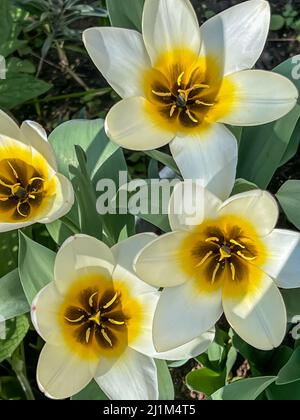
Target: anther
212 239
203 103
91 299
106 337
240 254
233 272
234 242
162 94
179 80
172 110
215 273
87 335
19 209
13 170
205 258
113 321
111 302
188 112
74 321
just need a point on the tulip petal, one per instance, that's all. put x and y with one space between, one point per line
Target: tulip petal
133 377
61 374
261 97
121 57
79 255
244 29
283 258
183 314
34 135
44 314
210 156
8 127
169 25
190 205
258 317
128 125
62 201
258 207
159 262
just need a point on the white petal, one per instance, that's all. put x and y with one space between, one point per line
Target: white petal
168 25
210 157
121 57
8 127
183 314
45 314
126 251
192 349
34 134
242 31
159 263
258 207
8 227
63 201
259 318
261 97
133 377
284 258
128 125
79 255
60 374
191 204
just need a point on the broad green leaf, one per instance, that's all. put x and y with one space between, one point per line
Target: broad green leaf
10 388
244 389
230 362
289 198
90 136
60 231
9 345
126 14
15 65
164 158
90 392
262 149
36 266
290 392
19 88
205 380
257 358
291 371
277 22
241 185
293 145
8 252
13 301
292 302
6 21
165 383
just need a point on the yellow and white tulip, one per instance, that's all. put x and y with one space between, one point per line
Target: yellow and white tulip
31 189
96 318
225 257
180 84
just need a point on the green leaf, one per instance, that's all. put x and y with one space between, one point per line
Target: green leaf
90 136
13 301
244 389
257 358
36 266
292 302
60 231
289 69
290 392
164 158
15 65
90 393
6 22
241 185
126 14
205 380
230 362
19 88
277 22
165 383
289 198
293 145
8 252
291 371
9 345
262 149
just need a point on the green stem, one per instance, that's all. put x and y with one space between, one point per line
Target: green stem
99 92
24 384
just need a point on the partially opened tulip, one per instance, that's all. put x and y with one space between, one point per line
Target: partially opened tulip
96 318
221 257
181 84
31 189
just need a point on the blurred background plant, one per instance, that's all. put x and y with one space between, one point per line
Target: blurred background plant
51 79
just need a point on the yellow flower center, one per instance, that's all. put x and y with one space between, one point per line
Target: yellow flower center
186 92
224 253
21 188
98 318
